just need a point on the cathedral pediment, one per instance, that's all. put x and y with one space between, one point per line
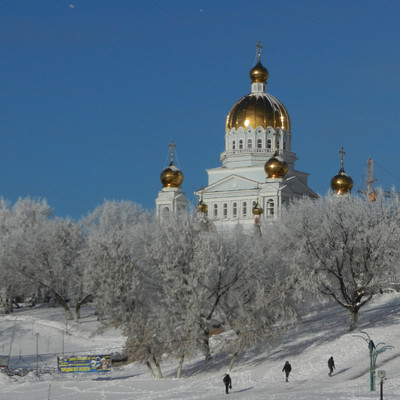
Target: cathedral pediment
292 186
232 183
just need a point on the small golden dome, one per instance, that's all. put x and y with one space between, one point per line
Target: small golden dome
372 197
276 167
259 73
341 183
202 207
171 176
257 210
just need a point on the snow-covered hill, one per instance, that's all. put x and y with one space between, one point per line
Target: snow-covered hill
256 375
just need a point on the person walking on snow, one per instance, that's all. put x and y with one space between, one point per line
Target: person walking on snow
228 383
287 368
331 366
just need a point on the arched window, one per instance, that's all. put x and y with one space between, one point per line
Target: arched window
244 209
259 144
270 208
268 143
215 211
225 210
249 144
240 144
234 210
277 144
233 145
284 145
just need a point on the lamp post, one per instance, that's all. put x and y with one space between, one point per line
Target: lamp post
374 351
382 375
37 354
62 343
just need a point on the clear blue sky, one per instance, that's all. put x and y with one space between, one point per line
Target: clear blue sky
92 91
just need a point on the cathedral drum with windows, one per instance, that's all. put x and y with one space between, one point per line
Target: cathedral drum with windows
258 162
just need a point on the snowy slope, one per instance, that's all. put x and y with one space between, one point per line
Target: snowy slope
256 375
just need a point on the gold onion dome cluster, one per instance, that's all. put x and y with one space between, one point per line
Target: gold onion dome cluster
341 183
275 167
258 109
171 176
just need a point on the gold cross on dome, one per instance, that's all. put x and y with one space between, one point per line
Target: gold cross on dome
342 153
259 47
172 147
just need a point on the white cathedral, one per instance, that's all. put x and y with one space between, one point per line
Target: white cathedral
257 176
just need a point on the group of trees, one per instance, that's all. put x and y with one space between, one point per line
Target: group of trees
38 255
168 284
345 248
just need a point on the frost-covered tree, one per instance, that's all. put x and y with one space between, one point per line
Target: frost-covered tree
113 244
144 331
9 283
39 254
15 223
116 233
47 256
261 305
345 247
173 275
225 265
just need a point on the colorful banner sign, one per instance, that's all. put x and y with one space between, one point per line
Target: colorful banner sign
75 364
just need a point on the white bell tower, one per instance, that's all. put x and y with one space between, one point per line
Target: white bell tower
171 199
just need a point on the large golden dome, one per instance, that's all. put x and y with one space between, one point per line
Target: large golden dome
258 110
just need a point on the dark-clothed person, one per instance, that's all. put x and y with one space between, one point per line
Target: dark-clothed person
228 383
287 368
331 366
